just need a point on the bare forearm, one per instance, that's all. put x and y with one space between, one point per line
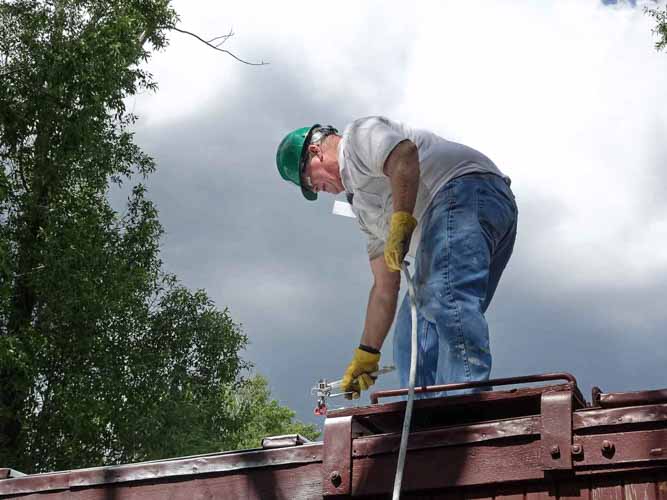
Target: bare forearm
379 316
402 168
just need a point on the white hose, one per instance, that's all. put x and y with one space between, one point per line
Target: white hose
398 479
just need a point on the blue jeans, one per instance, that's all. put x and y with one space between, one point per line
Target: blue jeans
467 238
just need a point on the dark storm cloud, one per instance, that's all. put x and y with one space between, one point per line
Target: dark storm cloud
293 274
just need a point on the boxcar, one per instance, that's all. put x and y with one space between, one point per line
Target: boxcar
535 440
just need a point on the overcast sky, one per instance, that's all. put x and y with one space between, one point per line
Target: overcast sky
566 96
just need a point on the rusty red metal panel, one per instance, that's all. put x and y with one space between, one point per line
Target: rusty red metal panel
589 418
53 495
225 462
543 377
477 447
34 483
153 471
302 483
642 446
620 399
233 486
514 398
556 430
450 436
450 467
450 411
337 458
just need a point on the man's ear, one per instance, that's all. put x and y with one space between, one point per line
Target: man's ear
316 150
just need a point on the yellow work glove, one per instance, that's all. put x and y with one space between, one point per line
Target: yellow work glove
398 241
357 377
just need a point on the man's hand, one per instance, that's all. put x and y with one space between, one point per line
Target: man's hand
398 241
357 377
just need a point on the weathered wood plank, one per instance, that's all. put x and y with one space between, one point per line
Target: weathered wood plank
607 488
640 490
661 485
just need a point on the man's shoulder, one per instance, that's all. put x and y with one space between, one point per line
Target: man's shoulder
362 132
369 121
367 142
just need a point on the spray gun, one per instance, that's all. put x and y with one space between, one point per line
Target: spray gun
324 390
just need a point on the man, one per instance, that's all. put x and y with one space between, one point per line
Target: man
447 205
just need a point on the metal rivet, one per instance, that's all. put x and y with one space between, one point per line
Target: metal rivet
335 478
577 449
555 451
607 447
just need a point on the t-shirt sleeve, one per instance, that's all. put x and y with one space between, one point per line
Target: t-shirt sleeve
374 246
373 139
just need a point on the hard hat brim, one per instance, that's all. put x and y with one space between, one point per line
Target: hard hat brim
307 193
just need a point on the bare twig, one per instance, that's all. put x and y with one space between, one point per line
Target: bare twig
214 47
224 37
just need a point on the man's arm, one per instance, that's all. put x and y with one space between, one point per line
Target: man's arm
402 168
379 315
381 304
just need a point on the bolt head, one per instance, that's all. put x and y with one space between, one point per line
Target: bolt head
335 478
555 451
577 449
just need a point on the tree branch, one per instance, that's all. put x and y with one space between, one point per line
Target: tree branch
225 37
23 181
214 47
660 27
10 72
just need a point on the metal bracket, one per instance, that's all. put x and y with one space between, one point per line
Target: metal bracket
375 396
6 473
556 450
337 459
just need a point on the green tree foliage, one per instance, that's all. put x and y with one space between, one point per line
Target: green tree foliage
259 416
104 358
660 30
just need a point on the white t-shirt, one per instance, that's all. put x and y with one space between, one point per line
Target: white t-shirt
367 142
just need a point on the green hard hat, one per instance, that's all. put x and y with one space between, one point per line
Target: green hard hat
291 157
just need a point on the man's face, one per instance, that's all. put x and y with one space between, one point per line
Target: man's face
322 172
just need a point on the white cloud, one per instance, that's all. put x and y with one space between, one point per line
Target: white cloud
565 97
332 49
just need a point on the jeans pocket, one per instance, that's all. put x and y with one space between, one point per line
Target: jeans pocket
496 214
